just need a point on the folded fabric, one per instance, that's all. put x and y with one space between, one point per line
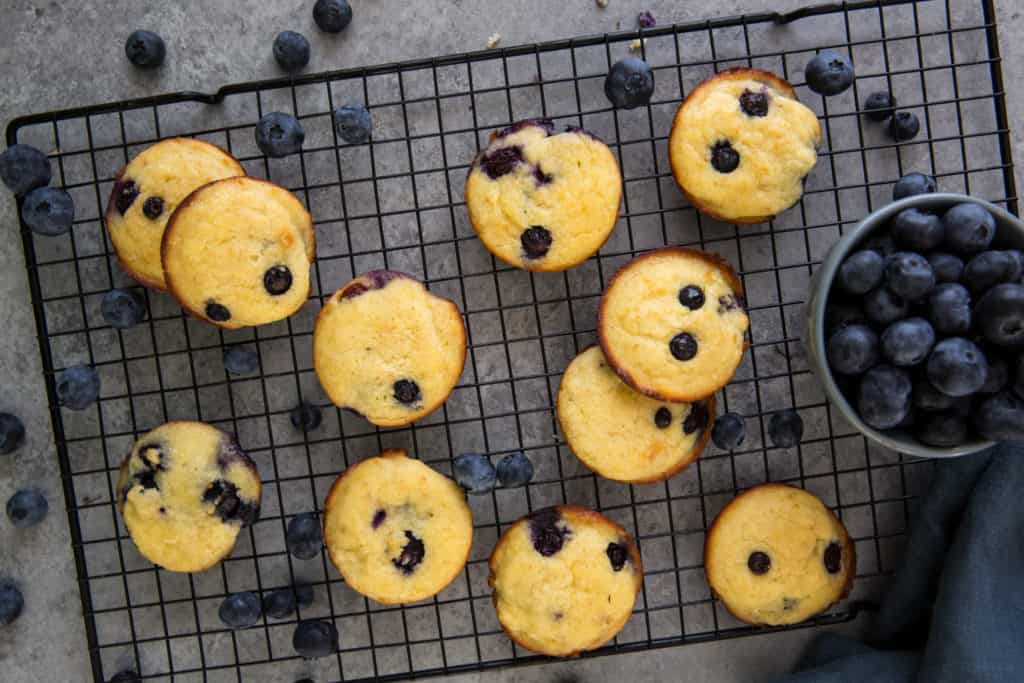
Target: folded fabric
954 612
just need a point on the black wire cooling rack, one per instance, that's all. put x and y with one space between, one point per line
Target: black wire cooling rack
397 202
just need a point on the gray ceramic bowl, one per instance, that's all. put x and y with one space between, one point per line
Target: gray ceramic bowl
1009 234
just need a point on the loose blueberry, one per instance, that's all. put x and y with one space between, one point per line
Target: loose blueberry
969 229
501 161
882 306
241 361
754 103
126 676
990 268
536 241
406 391
729 431
48 211
314 639
884 398
515 469
914 184
852 349
948 268
291 50
692 297
879 106
907 342
683 346
724 158
12 433
78 387
759 563
833 558
23 168
829 73
957 367
277 280
412 554
332 16
306 416
547 533
909 275
26 508
785 428
279 604
883 243
697 419
279 134
145 49
630 83
617 555
928 398
153 207
353 123
475 473
904 126
646 20
999 417
240 610
861 272
217 312
1018 257
11 602
839 314
999 316
305 536
123 308
917 230
662 418
998 376
949 309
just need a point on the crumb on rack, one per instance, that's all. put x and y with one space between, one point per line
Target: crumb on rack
646 20
637 45
602 3
493 40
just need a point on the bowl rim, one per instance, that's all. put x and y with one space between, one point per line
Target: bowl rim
821 287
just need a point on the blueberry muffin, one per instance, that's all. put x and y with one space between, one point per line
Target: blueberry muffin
237 252
542 200
776 555
386 348
672 324
185 492
397 530
564 580
148 190
742 144
622 434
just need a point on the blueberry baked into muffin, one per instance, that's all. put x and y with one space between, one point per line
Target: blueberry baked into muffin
622 434
386 348
237 253
672 324
776 555
541 200
148 190
564 580
397 530
742 144
185 491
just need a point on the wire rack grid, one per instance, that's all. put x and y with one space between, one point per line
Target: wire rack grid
397 202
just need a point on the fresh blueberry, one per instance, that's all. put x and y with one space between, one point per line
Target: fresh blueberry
291 50
353 123
126 676
839 314
729 431
279 604
861 271
23 168
315 639
928 398
990 268
948 268
942 430
11 602
48 211
26 508
917 230
123 308
475 473
785 428
1018 257
914 184
907 342
949 309
332 16
852 350
305 536
515 469
882 306
630 83
998 376
999 315
306 416
145 49
999 418
241 361
909 275
1018 377
78 387
879 106
279 134
969 229
240 610
12 433
957 367
829 73
904 126
882 242
884 398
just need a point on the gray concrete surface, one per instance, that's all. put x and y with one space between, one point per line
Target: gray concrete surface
66 54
